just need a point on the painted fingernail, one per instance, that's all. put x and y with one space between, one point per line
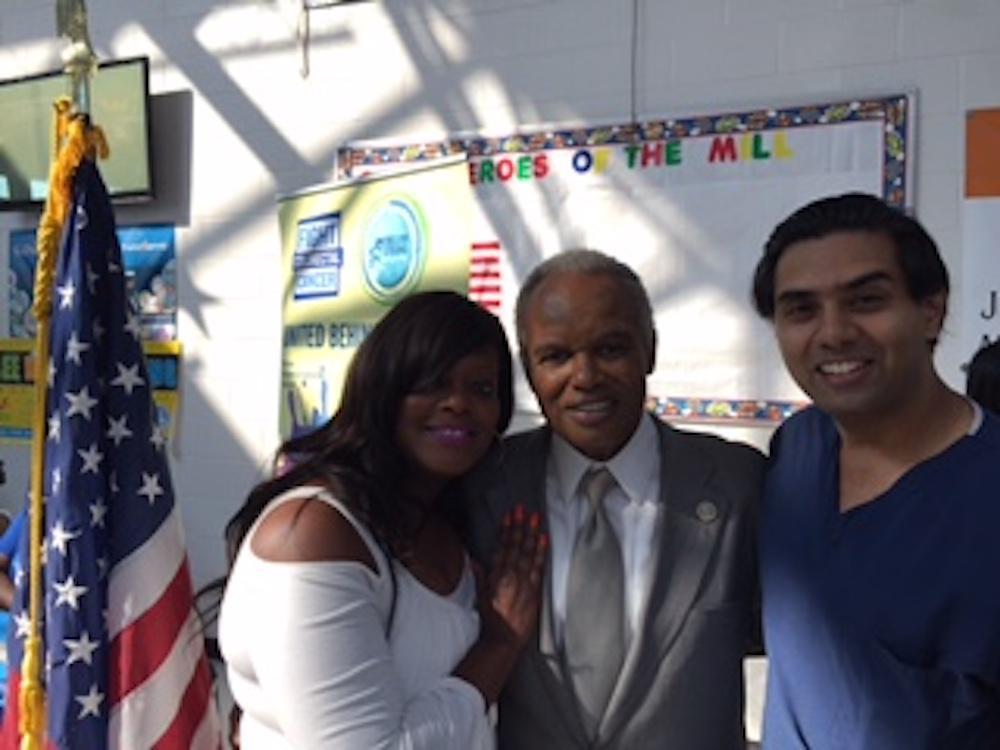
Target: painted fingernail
519 513
535 521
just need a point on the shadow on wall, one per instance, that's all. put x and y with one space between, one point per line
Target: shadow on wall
598 91
171 124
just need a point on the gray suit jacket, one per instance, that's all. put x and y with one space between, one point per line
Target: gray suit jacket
681 686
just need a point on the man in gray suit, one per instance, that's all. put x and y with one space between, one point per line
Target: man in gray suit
651 599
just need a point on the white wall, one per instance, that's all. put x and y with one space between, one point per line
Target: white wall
236 124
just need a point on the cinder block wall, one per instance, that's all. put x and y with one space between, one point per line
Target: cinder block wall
236 123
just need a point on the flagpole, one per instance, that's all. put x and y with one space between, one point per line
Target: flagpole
72 141
32 696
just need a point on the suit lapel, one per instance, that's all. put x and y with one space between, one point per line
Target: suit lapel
684 548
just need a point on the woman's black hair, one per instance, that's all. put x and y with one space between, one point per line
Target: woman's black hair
355 454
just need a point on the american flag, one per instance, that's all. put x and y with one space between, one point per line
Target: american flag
125 666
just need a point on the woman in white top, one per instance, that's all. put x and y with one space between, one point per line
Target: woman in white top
349 620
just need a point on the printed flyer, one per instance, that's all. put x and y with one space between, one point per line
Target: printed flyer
980 300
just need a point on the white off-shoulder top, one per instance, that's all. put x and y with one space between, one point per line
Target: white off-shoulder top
309 662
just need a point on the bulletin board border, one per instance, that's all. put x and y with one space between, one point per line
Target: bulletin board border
896 111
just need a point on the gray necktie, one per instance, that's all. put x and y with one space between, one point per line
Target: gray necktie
594 637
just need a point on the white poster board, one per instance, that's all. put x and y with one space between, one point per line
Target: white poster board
688 203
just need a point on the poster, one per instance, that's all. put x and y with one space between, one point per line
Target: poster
688 203
148 253
150 278
981 222
350 250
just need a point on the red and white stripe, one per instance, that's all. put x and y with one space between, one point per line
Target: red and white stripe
485 285
159 683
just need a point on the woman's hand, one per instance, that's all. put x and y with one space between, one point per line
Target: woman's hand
510 603
510 597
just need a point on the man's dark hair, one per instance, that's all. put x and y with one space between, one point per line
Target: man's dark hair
923 270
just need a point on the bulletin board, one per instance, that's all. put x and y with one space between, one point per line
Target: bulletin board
688 203
980 301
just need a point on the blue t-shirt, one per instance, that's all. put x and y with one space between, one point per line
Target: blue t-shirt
882 624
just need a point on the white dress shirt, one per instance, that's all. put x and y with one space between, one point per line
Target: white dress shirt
633 507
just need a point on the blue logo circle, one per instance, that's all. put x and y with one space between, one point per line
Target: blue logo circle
393 250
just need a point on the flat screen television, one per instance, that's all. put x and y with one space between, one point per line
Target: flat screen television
119 104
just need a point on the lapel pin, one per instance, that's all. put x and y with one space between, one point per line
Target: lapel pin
706 511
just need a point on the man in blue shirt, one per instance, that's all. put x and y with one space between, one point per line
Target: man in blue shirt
880 556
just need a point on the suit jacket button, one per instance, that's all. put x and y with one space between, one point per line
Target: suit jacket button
706 511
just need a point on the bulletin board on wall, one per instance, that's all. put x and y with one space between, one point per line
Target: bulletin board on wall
980 301
688 203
